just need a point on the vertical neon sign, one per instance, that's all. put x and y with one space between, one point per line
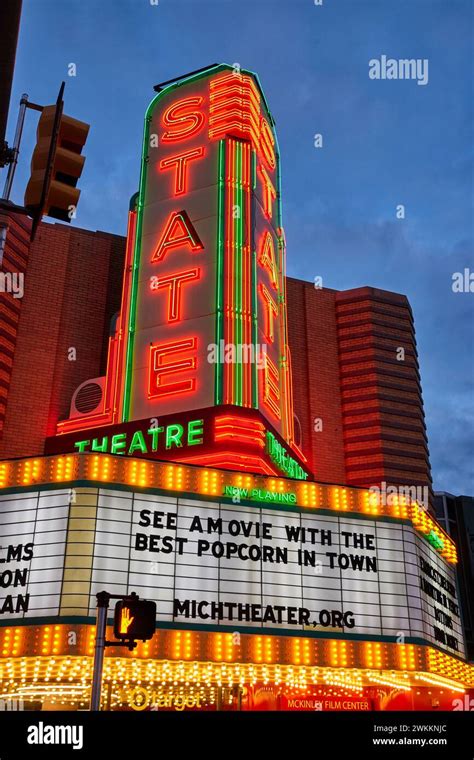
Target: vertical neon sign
209 260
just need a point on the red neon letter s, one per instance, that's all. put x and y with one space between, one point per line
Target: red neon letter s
160 368
185 117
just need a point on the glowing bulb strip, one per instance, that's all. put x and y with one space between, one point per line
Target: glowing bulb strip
427 525
209 656
439 682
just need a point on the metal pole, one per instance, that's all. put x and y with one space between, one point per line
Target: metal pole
12 168
16 147
102 607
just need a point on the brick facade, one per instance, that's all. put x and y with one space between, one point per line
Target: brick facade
14 262
312 331
383 421
72 290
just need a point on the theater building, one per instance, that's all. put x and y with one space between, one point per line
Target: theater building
181 420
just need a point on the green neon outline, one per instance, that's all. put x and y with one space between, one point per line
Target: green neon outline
218 374
134 285
282 298
254 273
233 254
238 269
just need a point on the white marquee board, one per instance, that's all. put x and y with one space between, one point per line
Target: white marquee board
365 576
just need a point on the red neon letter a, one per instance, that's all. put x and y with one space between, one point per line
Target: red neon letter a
179 231
267 258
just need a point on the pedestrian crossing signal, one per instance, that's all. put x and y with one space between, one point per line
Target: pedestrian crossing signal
134 620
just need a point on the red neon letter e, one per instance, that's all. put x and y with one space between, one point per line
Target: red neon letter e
161 368
271 394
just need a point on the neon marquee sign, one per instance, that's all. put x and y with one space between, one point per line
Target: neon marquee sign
259 494
197 437
148 441
209 254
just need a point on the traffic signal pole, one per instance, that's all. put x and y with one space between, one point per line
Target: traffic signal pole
103 599
12 168
16 148
5 203
102 606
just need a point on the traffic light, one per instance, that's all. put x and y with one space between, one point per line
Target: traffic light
56 165
135 620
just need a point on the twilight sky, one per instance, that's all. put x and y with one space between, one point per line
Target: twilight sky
385 143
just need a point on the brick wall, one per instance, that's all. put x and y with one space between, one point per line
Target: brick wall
72 289
14 263
355 368
312 335
384 425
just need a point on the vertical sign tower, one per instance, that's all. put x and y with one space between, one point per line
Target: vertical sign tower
203 329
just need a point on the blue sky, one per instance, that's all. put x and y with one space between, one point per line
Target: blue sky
385 143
